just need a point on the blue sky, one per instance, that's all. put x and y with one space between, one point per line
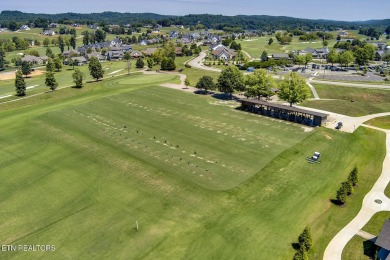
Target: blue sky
346 10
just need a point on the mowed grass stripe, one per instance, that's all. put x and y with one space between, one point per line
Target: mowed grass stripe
194 147
90 186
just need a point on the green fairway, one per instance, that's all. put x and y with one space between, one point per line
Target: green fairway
381 122
203 179
255 46
351 101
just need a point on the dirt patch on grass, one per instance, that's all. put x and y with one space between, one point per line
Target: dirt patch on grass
327 136
11 75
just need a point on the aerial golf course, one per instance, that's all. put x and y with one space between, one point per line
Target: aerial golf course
203 179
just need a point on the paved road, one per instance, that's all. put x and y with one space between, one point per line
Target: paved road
196 63
335 248
348 84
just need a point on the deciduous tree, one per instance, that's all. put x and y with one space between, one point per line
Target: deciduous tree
20 85
26 68
78 77
259 84
140 63
206 83
230 80
95 68
50 81
293 89
50 65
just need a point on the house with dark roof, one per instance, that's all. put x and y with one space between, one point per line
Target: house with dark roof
280 56
53 25
71 53
95 54
115 55
320 53
383 241
32 59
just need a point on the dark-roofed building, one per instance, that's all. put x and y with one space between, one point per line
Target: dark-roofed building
294 114
383 240
150 51
115 55
77 61
95 54
279 56
32 59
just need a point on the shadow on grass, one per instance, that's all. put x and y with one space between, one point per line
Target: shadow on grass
295 246
369 248
337 203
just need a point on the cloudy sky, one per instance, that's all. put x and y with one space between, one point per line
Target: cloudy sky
346 10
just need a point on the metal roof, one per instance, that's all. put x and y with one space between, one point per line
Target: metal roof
294 109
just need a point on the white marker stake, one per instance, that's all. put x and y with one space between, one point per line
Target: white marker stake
136 222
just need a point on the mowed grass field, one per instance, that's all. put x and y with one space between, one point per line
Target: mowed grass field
204 180
351 101
382 122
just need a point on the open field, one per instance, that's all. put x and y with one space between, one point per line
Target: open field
203 179
382 122
365 101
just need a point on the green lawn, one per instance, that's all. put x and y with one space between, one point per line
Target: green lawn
255 46
365 101
382 122
357 247
203 179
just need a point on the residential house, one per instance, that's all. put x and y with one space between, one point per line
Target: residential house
71 53
343 34
149 51
379 54
93 26
75 25
116 42
95 54
174 34
49 33
136 54
53 25
383 241
143 43
115 55
32 59
155 30
76 61
380 45
216 46
126 48
179 51
24 28
223 53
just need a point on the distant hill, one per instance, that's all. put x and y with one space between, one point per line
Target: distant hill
252 22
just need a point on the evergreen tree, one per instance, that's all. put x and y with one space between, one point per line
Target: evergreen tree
353 177
95 68
50 65
301 254
57 63
347 186
150 63
2 58
78 77
61 44
264 56
73 42
50 81
140 63
305 240
341 195
26 68
20 85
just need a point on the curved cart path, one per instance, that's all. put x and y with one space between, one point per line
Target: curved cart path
335 248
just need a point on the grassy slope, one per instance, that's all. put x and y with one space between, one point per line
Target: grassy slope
82 188
366 101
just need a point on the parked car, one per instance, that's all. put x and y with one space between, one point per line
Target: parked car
339 125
